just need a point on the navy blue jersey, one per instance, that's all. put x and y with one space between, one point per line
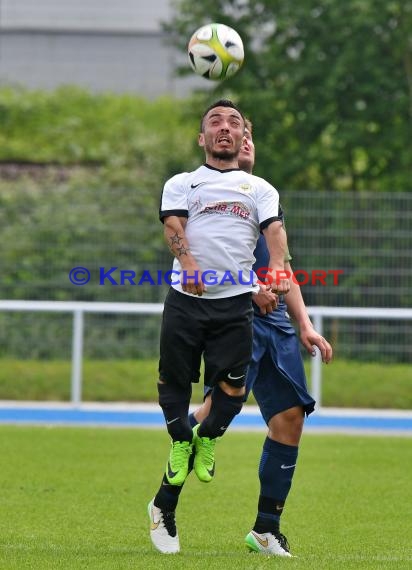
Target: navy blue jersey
278 317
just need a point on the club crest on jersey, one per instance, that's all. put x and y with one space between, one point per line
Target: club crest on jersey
245 187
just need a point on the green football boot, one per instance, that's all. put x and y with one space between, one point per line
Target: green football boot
204 464
177 467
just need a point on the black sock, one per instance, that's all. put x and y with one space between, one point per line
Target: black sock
222 411
167 496
174 402
266 519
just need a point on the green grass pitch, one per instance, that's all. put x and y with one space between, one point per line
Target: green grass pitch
75 498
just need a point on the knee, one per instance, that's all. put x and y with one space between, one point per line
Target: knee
293 416
170 393
225 401
231 390
286 427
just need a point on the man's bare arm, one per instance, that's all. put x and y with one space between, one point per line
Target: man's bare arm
276 242
175 236
308 335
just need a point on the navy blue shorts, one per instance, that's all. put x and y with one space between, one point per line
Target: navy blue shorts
276 374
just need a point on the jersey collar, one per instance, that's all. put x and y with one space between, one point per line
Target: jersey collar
219 170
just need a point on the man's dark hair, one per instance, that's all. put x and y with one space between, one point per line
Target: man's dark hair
220 103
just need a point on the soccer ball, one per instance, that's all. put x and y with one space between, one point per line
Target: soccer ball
215 51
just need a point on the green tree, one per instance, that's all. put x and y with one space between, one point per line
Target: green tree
327 83
116 152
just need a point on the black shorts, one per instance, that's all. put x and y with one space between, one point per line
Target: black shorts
218 329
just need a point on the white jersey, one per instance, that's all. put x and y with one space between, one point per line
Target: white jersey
225 212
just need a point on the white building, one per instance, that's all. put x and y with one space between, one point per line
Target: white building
102 45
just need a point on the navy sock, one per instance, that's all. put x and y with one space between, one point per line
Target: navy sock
276 470
192 420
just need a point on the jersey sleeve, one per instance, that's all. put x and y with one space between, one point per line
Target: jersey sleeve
173 201
268 205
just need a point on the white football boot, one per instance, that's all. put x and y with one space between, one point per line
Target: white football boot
268 543
163 531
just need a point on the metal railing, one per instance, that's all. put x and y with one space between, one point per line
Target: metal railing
79 308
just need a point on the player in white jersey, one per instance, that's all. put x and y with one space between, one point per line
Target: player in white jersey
212 218
225 211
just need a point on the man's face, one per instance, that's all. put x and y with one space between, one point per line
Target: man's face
223 130
246 156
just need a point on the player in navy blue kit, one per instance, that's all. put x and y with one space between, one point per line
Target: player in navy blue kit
212 219
277 378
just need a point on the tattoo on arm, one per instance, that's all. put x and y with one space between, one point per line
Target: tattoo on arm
176 247
182 251
176 239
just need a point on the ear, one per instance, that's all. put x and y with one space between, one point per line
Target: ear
201 139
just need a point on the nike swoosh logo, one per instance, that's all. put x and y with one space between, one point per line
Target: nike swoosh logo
198 184
170 472
235 377
171 421
283 466
211 471
153 524
264 543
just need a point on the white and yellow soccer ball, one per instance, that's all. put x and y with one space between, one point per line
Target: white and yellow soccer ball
216 51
